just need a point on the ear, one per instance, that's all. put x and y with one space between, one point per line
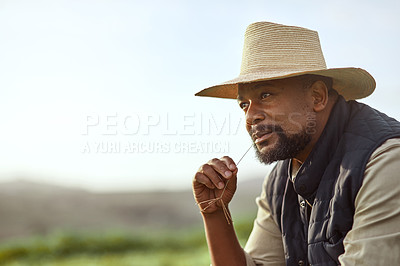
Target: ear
319 95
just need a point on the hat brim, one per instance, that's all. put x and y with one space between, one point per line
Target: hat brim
351 83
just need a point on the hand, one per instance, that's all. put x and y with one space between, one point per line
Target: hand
210 180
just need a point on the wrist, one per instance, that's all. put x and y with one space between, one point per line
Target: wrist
218 214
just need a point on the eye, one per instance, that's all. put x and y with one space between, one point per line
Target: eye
265 95
243 105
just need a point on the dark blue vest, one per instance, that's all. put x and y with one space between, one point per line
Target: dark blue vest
329 180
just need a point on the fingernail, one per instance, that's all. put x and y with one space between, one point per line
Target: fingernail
232 166
220 185
228 173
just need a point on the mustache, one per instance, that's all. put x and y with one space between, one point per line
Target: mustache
263 129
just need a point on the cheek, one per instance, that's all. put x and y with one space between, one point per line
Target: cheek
295 122
299 111
248 128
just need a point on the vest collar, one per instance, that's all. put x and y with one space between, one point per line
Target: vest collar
311 171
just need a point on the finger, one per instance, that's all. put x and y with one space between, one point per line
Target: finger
213 175
220 167
229 163
200 178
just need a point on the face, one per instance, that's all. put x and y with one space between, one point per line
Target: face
279 117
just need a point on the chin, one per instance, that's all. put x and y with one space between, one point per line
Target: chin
265 148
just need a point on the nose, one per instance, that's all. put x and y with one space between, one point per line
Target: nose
254 114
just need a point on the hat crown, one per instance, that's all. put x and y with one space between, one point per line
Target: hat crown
274 51
275 48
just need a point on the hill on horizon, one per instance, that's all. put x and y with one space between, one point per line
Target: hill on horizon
28 208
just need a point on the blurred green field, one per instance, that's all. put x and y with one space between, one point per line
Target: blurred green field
186 247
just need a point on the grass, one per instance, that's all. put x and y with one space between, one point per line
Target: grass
160 258
186 247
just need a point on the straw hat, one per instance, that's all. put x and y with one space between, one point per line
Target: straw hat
275 51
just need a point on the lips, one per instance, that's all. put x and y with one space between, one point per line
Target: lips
259 137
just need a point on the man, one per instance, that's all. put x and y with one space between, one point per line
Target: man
333 197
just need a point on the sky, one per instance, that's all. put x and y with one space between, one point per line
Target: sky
100 94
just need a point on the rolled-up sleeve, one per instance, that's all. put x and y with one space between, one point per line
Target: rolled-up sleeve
375 236
264 246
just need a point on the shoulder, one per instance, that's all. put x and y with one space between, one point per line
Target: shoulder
382 174
384 161
390 148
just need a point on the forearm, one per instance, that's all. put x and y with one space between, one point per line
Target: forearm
222 242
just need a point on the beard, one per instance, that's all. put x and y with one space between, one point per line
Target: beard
287 146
